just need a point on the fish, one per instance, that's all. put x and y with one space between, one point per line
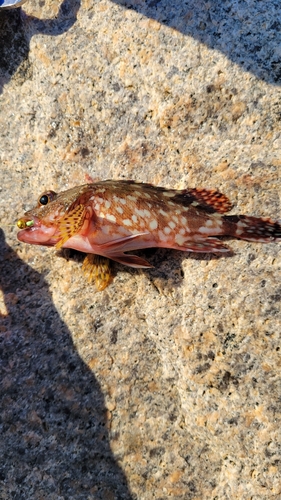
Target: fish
110 218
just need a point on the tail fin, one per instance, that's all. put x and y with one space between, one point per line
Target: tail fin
252 228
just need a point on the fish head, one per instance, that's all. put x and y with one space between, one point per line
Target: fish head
38 226
41 224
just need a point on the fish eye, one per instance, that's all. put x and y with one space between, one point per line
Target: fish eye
45 198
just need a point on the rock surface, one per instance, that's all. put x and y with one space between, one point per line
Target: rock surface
167 384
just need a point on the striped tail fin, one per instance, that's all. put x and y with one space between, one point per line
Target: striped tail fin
249 228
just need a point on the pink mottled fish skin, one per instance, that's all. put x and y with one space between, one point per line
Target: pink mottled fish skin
110 218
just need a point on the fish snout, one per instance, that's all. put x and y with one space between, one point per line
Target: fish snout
34 232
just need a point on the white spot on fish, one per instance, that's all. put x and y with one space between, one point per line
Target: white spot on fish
183 220
119 210
175 218
134 218
162 212
179 239
169 194
107 204
170 203
146 213
182 230
167 230
162 236
123 230
132 198
219 221
106 229
209 223
172 224
127 222
204 230
110 217
122 201
139 212
153 224
240 228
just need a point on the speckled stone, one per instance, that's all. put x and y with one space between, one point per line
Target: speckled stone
167 384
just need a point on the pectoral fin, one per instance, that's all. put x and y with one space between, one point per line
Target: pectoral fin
71 224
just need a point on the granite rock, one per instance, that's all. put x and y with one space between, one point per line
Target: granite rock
167 384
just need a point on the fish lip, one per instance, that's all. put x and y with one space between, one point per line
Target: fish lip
38 233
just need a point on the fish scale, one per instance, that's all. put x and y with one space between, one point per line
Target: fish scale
110 218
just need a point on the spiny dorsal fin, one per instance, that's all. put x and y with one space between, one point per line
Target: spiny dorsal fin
71 224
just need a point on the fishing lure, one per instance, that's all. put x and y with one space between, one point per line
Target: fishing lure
110 218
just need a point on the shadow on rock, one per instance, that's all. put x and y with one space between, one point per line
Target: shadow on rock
247 33
16 30
54 439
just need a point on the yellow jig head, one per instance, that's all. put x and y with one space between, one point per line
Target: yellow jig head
22 224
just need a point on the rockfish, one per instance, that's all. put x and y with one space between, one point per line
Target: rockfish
110 218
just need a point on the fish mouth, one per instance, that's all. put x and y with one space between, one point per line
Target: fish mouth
33 231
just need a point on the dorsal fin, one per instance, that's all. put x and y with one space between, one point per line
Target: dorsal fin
209 199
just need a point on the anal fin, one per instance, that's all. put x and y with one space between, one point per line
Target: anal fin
210 245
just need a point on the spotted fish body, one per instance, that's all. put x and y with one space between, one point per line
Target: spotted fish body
111 218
